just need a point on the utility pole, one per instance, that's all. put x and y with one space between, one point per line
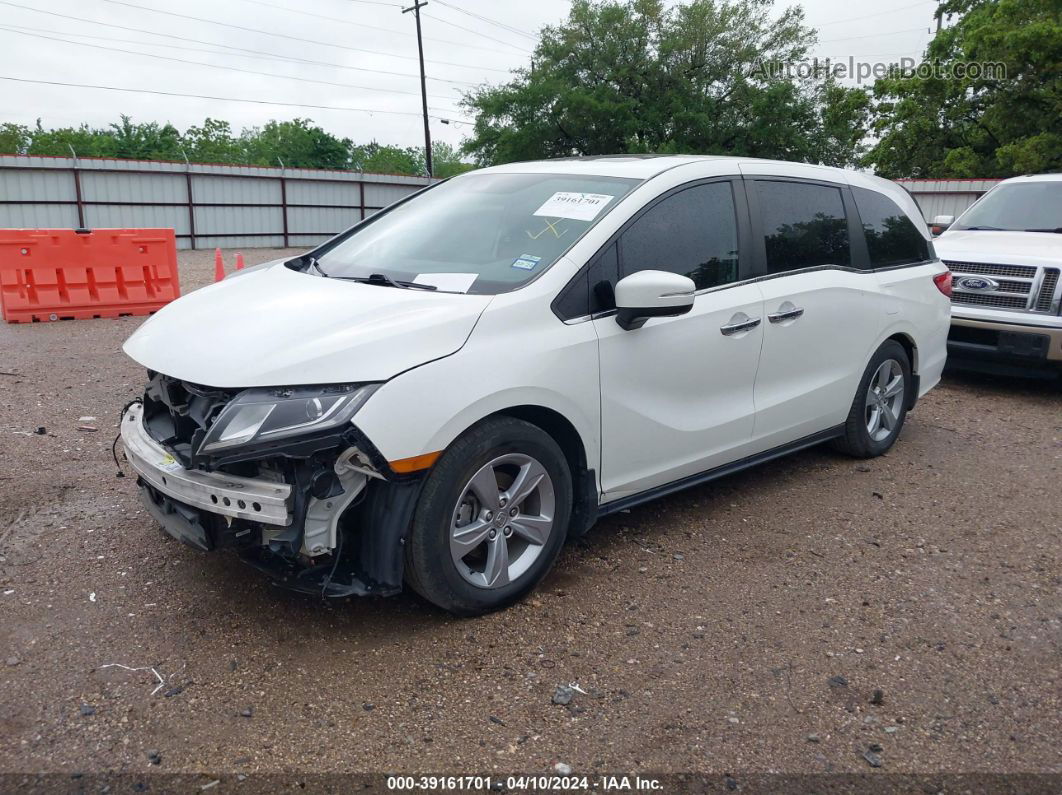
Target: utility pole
415 8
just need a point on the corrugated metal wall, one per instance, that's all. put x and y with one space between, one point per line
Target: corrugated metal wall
206 205
946 196
248 206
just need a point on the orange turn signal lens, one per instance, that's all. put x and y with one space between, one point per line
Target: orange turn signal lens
404 466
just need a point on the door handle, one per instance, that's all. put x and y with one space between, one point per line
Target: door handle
787 314
737 326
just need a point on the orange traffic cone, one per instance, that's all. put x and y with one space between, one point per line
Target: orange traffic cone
219 266
239 261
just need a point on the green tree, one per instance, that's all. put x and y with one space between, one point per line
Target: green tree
298 144
213 142
698 78
124 139
150 141
954 123
14 138
378 158
375 157
84 140
447 161
844 118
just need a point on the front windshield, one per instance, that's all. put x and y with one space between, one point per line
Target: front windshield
1018 207
480 233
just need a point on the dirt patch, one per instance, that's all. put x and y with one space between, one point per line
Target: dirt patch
787 618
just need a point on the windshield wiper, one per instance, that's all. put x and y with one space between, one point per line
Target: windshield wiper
983 229
383 280
1056 230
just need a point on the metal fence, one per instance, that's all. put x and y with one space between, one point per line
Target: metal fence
206 205
946 196
231 206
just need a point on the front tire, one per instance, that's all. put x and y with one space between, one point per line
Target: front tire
880 404
491 519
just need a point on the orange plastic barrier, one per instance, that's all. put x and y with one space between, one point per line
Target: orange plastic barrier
62 274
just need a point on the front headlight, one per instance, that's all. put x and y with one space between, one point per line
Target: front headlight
276 413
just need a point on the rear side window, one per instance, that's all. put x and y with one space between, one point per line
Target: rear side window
804 226
692 233
892 239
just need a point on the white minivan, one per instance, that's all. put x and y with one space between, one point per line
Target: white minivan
444 393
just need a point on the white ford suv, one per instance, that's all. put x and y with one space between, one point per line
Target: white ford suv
1005 254
444 393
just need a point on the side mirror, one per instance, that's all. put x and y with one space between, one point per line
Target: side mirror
940 224
647 294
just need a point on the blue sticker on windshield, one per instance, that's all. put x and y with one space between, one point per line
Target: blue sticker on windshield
526 262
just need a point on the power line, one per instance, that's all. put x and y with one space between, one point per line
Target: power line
255 53
873 35
278 58
474 32
861 17
392 31
845 55
370 111
489 20
215 66
142 43
448 22
289 37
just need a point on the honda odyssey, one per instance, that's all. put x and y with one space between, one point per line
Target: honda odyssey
445 392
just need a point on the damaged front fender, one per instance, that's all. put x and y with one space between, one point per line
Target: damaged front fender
369 560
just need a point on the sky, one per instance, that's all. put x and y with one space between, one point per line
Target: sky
349 56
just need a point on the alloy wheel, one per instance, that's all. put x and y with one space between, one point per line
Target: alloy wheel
502 520
884 401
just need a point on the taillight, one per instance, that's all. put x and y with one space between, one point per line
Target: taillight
943 283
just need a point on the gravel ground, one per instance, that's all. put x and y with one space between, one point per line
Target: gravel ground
784 619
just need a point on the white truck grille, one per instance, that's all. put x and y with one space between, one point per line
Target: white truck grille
1023 288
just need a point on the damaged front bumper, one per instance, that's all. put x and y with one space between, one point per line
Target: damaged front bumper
256 500
340 541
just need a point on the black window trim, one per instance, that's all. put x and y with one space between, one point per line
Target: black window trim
744 234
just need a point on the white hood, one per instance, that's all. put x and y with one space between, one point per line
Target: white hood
1003 248
278 327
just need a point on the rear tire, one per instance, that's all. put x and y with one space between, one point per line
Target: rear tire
880 404
491 519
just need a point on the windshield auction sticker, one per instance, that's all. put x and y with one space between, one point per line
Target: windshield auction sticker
448 282
576 206
526 262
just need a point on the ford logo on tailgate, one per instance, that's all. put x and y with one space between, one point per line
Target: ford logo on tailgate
977 283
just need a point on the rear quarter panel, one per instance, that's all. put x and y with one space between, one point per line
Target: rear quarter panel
916 308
